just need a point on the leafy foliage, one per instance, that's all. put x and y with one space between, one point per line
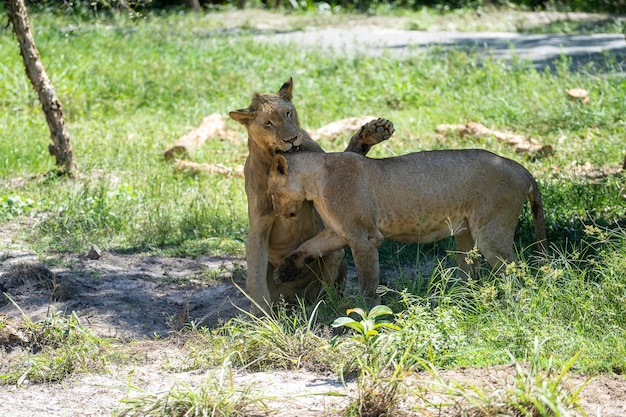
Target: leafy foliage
607 6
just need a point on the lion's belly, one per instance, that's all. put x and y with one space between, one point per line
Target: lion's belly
412 229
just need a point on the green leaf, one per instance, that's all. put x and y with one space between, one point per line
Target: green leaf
358 311
386 325
380 310
341 321
371 334
348 322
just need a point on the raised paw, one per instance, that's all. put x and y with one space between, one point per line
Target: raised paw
371 133
376 131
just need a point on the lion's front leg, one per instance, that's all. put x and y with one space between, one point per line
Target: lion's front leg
322 244
257 257
368 271
370 134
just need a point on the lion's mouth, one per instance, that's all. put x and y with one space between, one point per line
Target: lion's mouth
293 149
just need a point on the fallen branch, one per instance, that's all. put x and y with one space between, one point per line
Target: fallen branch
212 126
209 169
578 94
593 172
337 128
520 143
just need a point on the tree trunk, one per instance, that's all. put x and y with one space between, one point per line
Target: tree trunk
193 5
60 148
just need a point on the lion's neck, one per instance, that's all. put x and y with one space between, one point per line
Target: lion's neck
260 155
311 181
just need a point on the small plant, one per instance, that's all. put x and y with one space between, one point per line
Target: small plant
544 393
379 374
367 328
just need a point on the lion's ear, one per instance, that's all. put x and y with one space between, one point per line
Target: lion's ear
243 116
280 165
286 91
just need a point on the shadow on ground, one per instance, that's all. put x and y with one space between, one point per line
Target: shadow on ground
134 296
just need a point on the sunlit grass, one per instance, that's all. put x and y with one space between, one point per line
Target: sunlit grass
129 88
216 397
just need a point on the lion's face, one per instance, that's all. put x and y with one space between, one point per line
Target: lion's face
287 195
275 125
272 120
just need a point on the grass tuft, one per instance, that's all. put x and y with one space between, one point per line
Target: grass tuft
536 389
50 350
216 397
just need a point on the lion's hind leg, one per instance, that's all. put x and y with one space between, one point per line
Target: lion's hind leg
371 133
368 271
496 242
464 243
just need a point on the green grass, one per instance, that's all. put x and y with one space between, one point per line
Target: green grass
51 350
131 87
216 397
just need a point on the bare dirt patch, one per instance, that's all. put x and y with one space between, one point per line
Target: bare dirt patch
126 295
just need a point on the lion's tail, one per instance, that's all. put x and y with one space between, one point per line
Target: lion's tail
536 206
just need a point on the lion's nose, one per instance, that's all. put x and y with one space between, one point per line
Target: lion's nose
292 140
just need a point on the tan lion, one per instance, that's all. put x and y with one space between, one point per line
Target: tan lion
473 195
273 126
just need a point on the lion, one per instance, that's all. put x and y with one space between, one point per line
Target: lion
272 124
471 194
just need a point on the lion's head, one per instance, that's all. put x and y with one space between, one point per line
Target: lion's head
287 192
272 120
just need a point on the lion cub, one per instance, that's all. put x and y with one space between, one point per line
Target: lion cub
473 195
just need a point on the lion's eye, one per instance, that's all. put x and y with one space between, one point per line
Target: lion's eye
268 125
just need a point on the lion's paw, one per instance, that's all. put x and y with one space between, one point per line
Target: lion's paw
376 131
288 271
371 133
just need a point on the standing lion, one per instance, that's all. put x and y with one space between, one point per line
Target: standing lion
273 127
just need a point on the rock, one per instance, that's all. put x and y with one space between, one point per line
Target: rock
94 253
